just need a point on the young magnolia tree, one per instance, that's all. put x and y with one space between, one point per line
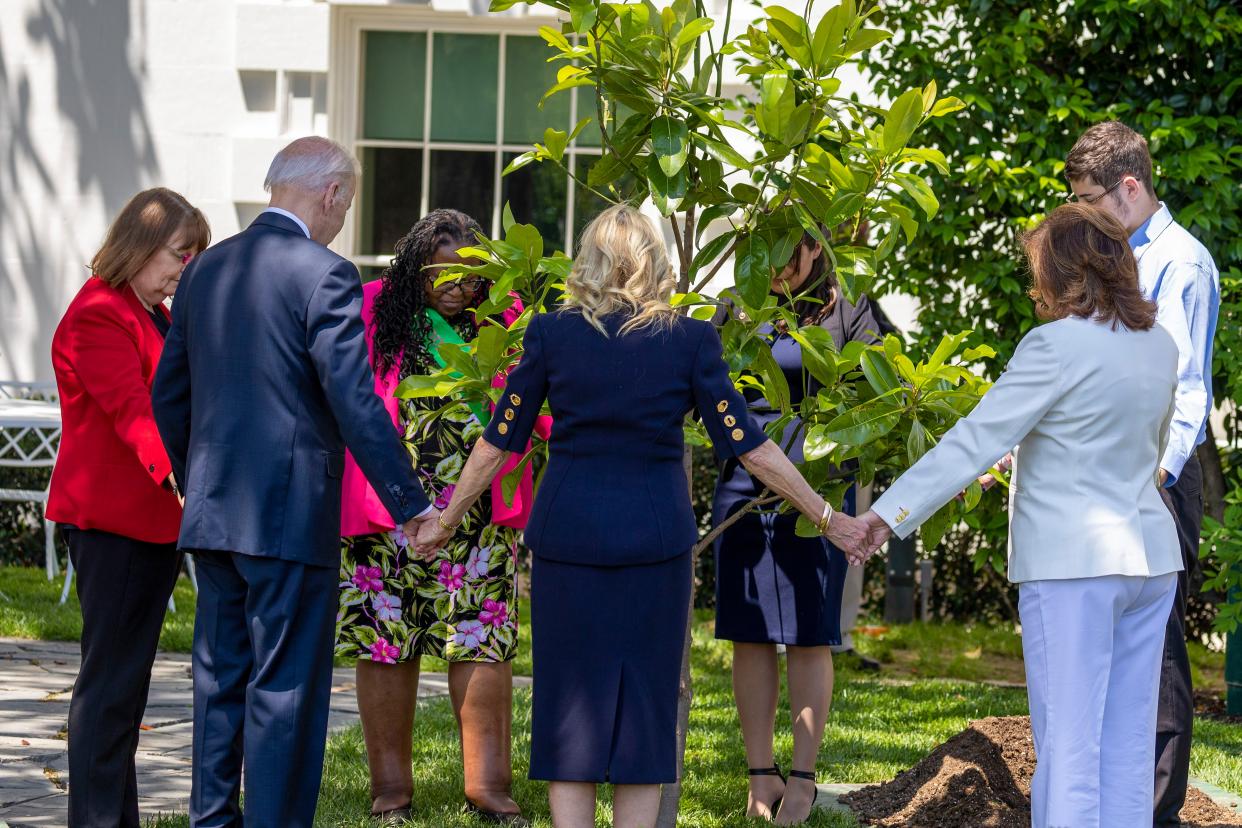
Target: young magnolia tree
793 158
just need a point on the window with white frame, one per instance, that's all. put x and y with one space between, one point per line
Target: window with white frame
441 114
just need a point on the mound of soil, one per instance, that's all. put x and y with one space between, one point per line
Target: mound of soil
981 778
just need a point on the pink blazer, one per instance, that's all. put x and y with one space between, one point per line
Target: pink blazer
362 513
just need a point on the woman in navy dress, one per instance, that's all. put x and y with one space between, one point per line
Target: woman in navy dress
612 526
773 587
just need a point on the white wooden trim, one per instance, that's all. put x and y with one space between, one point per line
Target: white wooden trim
349 20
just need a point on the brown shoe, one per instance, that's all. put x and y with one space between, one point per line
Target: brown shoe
482 695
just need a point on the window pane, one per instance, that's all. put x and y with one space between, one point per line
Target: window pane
370 273
464 75
463 181
392 184
589 137
527 76
396 63
536 195
587 205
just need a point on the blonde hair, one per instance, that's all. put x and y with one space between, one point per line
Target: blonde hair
622 266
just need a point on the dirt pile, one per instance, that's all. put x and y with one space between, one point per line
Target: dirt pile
981 778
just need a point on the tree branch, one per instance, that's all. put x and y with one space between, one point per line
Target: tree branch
719 264
762 500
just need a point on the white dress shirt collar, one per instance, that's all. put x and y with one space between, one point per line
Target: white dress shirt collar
278 211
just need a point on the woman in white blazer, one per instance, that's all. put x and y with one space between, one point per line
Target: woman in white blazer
1087 398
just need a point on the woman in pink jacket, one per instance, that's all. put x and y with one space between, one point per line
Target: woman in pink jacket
462 605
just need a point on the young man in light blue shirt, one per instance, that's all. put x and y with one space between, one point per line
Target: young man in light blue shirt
1110 167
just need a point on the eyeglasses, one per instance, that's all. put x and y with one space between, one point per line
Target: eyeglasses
184 258
470 285
1092 199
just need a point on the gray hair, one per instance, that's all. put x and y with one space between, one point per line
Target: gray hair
312 163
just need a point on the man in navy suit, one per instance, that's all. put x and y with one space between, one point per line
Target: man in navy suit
263 383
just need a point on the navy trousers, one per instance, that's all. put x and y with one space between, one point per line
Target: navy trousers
1175 717
262 680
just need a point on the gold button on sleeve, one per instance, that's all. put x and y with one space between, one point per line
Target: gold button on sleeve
730 421
722 406
503 428
737 434
515 399
508 413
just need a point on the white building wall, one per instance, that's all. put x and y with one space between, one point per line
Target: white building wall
100 100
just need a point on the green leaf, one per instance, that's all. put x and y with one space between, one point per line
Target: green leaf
816 444
902 119
922 194
582 15
709 252
666 191
783 250
556 140
828 34
670 143
945 106
864 423
981 352
722 152
506 218
752 270
935 527
917 442
864 39
693 31
790 30
775 386
776 104
879 371
521 161
845 207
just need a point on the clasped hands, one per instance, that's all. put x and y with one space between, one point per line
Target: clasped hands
858 537
426 534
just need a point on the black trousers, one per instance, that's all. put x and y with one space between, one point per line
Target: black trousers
1176 713
123 586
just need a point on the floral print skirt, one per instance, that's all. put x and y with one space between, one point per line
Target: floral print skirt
461 606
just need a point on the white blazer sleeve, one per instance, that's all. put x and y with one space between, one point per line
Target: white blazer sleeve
1017 401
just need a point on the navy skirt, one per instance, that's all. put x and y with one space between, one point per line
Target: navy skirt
773 587
607 645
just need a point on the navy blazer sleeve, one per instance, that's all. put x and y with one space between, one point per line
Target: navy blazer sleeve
720 405
525 391
336 341
170 394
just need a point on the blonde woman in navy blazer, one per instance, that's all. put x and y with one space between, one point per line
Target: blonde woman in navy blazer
612 525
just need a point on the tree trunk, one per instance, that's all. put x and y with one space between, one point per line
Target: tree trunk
670 794
1213 477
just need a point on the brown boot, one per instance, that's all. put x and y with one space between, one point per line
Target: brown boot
482 695
386 699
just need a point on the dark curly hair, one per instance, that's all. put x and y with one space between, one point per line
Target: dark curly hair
400 327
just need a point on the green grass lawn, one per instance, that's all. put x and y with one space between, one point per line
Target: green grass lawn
931 686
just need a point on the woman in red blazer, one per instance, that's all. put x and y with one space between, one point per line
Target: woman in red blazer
112 491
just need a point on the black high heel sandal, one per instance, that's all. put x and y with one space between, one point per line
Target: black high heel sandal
810 777
775 770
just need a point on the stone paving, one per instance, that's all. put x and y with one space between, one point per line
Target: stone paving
36 683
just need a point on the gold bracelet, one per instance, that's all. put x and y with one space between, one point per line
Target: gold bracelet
826 520
446 527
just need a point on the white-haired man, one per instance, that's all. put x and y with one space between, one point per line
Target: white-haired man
263 383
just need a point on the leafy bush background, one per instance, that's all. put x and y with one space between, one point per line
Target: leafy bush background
1034 76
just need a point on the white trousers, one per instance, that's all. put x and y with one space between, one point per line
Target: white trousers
1092 648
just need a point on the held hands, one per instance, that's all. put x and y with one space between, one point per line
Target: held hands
858 537
988 480
428 534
